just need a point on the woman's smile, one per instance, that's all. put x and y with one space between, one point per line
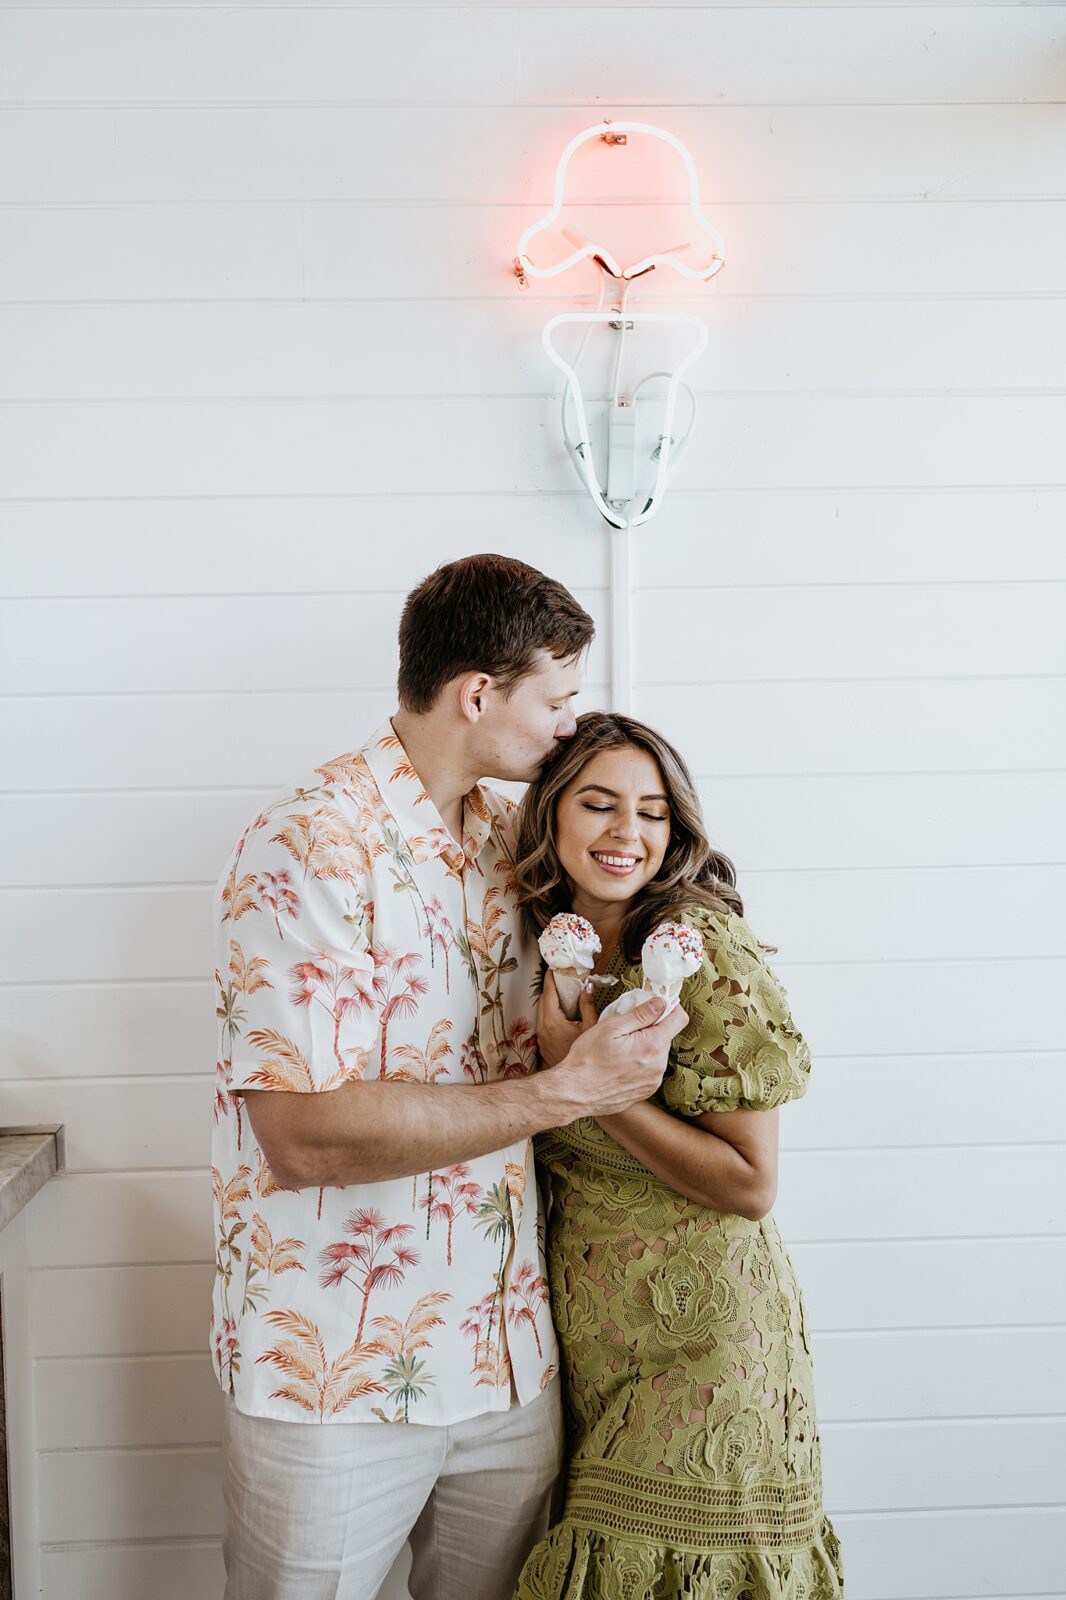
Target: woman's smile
619 866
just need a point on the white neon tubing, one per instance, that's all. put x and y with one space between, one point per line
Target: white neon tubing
621 621
663 258
582 449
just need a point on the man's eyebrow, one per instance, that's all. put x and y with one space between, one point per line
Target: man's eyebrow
603 789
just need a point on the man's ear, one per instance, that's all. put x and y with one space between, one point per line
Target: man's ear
472 689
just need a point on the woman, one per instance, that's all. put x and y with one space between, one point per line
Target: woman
694 1465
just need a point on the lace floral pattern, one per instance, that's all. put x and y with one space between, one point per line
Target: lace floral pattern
694 1464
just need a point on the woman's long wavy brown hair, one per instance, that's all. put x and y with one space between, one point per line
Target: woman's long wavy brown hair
692 873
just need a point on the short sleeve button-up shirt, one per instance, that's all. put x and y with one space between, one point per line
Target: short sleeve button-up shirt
355 938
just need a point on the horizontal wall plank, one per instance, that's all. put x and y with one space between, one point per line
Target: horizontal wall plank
913 1008
106 935
876 1285
116 838
254 252
61 1031
931 1283
166 1571
138 1402
790 822
446 446
397 348
947 1555
942 1374
147 1494
425 5
111 1219
122 1220
348 640
844 633
763 824
124 1310
193 57
867 727
109 646
117 1126
501 55
94 548
716 55
121 1125
930 1101
963 1193
480 155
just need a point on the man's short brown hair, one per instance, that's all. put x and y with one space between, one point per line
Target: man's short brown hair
485 613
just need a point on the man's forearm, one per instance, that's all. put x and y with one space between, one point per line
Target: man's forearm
370 1132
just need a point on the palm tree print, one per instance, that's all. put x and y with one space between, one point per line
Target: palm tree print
238 896
223 1098
481 1322
405 1376
362 1262
325 843
346 990
246 977
494 1216
316 1384
496 963
276 891
515 1178
442 936
452 1194
287 1067
403 772
402 870
229 1197
473 1062
518 1050
397 989
227 1350
266 1257
529 1291
424 1066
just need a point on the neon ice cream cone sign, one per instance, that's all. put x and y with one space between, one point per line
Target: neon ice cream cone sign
697 259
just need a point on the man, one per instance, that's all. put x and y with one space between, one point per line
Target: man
378 1259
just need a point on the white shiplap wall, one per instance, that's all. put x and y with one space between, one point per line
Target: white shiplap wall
263 367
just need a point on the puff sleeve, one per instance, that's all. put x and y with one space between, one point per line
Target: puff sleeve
741 1050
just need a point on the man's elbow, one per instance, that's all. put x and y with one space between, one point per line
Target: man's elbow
295 1162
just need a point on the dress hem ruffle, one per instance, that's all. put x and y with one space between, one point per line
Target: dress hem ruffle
579 1563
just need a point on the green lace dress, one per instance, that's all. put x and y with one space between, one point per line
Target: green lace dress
694 1464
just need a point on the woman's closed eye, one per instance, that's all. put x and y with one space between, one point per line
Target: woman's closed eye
648 815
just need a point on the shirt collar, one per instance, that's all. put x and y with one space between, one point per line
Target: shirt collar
416 816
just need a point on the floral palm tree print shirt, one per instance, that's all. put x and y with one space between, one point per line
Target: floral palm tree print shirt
356 939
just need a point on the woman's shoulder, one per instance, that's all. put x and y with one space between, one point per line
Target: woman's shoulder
728 941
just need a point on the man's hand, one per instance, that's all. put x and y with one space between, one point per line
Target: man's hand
618 1062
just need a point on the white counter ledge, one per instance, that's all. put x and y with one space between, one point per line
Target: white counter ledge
28 1158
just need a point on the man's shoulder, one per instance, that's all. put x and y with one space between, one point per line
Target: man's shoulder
317 822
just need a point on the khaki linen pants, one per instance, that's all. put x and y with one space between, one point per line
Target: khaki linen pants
320 1512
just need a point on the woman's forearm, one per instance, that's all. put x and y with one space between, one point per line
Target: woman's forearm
695 1161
